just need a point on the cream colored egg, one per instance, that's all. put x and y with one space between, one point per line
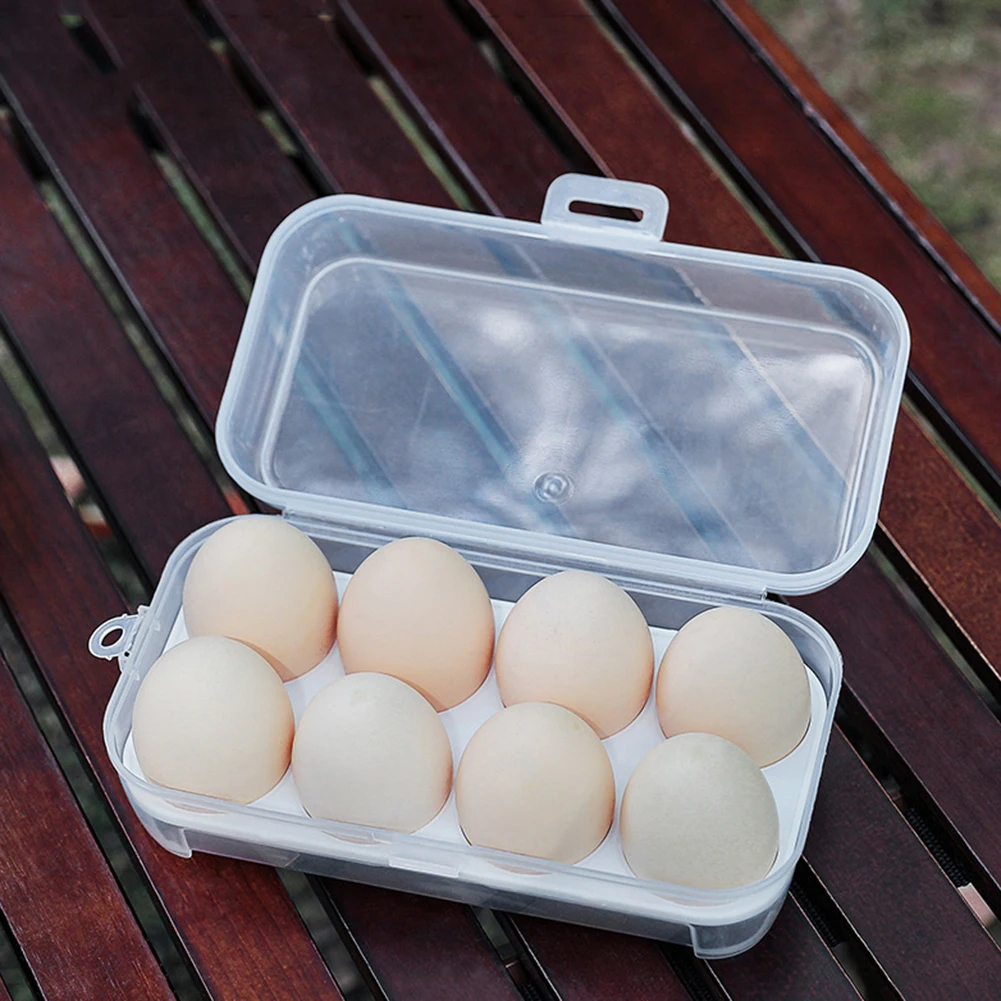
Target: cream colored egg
370 750
212 717
698 812
536 780
417 610
579 641
733 672
261 581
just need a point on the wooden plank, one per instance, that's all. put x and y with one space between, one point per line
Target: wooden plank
55 885
939 730
235 921
892 892
584 964
81 120
104 398
249 184
309 76
947 534
841 199
789 963
504 159
419 948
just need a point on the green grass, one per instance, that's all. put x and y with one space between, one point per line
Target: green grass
922 79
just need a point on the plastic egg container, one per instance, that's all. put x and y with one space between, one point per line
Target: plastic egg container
700 427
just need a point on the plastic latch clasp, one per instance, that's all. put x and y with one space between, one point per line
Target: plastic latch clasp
649 201
127 625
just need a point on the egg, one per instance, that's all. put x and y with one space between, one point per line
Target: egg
579 641
370 750
415 609
735 673
261 581
536 780
212 717
698 812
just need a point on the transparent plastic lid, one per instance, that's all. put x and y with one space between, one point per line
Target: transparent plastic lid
573 389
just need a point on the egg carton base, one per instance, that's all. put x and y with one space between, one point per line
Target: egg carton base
787 778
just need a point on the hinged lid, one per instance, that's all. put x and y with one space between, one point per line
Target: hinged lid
573 389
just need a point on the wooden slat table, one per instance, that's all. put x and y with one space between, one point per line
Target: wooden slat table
146 152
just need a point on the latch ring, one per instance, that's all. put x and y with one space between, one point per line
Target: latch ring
99 644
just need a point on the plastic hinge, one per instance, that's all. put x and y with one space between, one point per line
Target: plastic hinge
542 564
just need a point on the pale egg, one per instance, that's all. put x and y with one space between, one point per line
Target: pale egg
370 750
261 581
417 610
699 812
536 780
735 673
212 717
578 640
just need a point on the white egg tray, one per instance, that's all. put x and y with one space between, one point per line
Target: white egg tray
599 890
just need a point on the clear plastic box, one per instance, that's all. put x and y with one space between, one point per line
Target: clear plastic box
701 427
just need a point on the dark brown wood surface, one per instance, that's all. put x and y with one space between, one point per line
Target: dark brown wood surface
403 940
298 62
948 536
943 739
75 350
790 963
504 159
55 886
881 876
583 964
588 965
238 177
506 109
81 119
617 122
